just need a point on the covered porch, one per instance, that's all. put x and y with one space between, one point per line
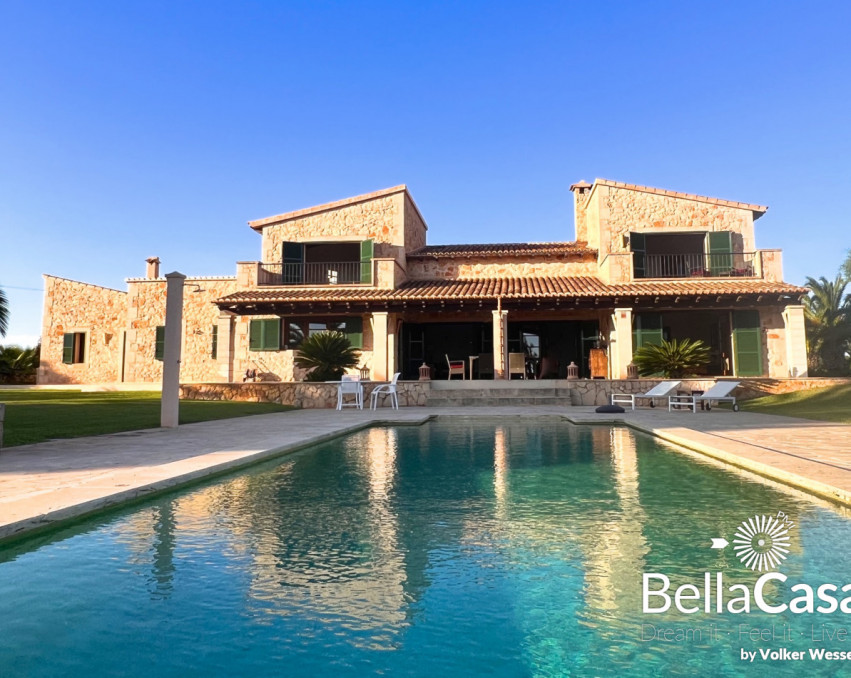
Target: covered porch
537 328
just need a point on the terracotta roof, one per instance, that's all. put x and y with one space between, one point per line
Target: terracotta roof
705 286
510 288
258 224
759 209
505 249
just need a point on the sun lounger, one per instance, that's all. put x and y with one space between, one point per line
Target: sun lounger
660 390
719 393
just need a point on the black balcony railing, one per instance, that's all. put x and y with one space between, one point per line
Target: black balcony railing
323 273
694 265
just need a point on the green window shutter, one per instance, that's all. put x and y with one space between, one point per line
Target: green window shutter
159 346
255 335
264 335
272 334
638 246
647 329
747 343
293 263
366 254
68 348
354 331
214 352
719 248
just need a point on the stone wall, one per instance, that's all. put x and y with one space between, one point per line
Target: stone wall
499 267
100 312
415 227
300 394
598 391
774 356
380 219
618 211
278 366
586 392
146 311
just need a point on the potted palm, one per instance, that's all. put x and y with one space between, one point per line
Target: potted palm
673 359
327 355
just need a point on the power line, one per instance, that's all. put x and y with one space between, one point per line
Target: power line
29 289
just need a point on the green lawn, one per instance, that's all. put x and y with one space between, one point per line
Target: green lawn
828 404
33 416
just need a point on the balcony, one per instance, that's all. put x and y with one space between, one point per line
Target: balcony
317 273
697 265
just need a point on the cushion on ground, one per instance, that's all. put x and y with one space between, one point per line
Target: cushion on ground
609 409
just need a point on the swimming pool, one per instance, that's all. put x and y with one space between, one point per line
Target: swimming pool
461 547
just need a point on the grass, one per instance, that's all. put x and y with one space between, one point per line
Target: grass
35 416
826 404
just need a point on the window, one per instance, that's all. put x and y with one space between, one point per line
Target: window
300 328
159 345
264 335
74 348
214 351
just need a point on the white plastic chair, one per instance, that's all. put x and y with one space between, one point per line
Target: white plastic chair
350 385
660 390
719 392
385 390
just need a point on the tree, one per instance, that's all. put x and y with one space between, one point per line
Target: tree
828 319
846 267
18 365
677 358
328 355
4 313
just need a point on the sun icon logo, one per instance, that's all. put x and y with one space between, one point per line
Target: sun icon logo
761 542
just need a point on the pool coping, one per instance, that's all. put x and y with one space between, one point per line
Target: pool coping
103 492
704 444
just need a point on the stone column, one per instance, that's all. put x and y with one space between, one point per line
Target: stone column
796 341
500 344
381 344
224 351
170 404
620 346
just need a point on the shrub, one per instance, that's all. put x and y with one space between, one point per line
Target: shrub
327 354
677 358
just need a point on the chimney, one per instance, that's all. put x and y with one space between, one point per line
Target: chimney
580 192
153 270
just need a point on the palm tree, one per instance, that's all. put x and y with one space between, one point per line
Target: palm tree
677 358
327 354
4 313
18 365
828 317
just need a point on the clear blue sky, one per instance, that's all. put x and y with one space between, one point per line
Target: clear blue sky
134 129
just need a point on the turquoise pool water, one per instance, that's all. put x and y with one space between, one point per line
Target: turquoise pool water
458 548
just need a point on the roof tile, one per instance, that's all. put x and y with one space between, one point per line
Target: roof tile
507 249
513 288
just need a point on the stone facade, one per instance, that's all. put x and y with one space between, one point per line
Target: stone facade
620 211
277 365
99 313
500 267
146 311
385 219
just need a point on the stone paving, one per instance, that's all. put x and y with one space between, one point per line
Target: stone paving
48 482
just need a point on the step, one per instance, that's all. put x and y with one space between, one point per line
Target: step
493 400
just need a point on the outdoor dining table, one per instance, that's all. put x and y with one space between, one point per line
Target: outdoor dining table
472 359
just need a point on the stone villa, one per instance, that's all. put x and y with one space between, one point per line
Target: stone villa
646 264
